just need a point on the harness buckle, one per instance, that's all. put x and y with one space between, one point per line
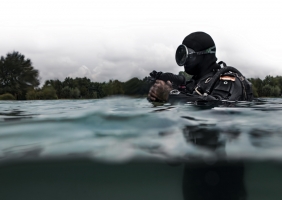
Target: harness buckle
199 93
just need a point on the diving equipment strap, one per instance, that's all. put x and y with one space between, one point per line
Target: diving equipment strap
205 89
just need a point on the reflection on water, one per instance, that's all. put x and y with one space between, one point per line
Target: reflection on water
213 179
216 181
128 149
14 115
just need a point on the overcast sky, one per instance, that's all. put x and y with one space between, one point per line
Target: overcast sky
121 39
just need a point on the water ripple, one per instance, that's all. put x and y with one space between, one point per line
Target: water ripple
123 129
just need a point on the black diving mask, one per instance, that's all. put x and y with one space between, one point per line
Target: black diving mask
183 54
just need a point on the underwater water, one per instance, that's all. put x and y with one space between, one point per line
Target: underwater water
124 148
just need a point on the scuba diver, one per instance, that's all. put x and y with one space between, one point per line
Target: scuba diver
220 180
210 81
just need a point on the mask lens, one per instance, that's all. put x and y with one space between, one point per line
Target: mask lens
191 54
181 55
190 51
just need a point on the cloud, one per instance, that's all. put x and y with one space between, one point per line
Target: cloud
82 71
130 52
102 42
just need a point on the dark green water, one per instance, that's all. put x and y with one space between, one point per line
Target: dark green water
128 149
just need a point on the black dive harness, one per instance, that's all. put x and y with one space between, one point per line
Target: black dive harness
207 83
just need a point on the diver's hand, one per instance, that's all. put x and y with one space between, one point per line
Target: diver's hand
160 90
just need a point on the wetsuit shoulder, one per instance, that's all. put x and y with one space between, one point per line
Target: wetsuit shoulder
228 87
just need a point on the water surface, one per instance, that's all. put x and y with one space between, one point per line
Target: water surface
124 129
139 150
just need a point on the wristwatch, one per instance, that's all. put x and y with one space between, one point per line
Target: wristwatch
174 92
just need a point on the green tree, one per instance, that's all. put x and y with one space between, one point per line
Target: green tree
255 92
17 75
47 92
276 92
133 86
7 96
269 80
137 87
107 88
66 93
74 93
258 84
56 84
70 82
267 90
96 90
113 88
279 82
32 95
117 87
83 84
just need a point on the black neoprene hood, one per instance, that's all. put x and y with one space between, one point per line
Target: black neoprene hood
198 41
203 64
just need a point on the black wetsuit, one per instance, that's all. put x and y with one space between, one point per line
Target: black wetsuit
219 84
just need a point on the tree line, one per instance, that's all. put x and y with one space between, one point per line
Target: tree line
19 80
84 88
270 86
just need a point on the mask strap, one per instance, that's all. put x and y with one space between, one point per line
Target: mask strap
207 51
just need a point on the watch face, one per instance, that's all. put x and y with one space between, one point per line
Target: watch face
174 92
